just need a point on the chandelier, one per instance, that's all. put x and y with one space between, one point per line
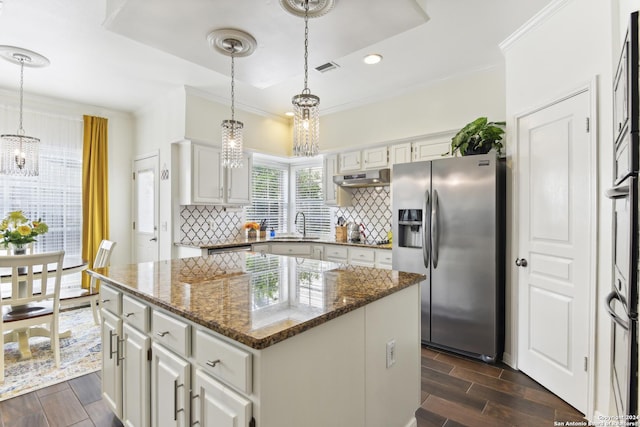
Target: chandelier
232 43
18 152
306 112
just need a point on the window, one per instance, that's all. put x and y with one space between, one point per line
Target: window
55 195
308 199
269 196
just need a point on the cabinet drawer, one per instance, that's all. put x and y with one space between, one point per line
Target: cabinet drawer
171 332
111 299
291 249
362 255
135 313
383 257
336 253
224 361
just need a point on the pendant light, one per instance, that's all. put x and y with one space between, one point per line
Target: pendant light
19 153
306 106
233 43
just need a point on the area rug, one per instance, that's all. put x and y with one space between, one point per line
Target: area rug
80 354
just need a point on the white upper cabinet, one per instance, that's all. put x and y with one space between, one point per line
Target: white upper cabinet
370 158
400 153
239 182
203 180
430 149
334 195
375 158
350 161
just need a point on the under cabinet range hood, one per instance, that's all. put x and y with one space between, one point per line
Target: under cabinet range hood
371 178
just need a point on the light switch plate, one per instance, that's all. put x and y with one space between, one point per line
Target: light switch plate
391 353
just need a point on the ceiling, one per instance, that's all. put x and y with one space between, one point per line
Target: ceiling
124 54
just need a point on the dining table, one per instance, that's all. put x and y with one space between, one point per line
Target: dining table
70 265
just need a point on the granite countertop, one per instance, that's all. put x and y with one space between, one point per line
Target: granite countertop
255 299
246 242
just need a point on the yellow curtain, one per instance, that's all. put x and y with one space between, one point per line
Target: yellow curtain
95 189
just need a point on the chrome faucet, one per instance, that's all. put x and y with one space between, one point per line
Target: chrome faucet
304 223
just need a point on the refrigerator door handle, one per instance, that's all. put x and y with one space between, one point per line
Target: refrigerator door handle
435 237
614 295
620 190
426 251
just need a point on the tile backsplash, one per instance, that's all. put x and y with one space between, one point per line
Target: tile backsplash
209 223
371 207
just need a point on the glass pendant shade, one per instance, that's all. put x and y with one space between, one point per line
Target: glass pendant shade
306 125
306 111
19 155
232 144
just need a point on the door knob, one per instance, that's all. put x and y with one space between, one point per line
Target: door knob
153 239
521 262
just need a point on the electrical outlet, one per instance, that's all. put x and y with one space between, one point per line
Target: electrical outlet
391 353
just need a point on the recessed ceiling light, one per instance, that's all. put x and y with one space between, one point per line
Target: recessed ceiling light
373 58
289 114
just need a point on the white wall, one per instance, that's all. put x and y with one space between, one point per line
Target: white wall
444 105
562 53
120 132
184 114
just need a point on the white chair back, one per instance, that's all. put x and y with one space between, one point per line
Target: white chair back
44 270
103 257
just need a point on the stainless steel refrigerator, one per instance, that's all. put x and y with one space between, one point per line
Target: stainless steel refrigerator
448 223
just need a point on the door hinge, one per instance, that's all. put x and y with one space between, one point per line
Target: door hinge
588 125
134 225
149 354
134 176
586 364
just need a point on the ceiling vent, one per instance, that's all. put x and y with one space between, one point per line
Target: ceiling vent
327 67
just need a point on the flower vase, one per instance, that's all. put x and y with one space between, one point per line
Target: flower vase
18 249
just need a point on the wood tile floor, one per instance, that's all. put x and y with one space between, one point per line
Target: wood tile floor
456 392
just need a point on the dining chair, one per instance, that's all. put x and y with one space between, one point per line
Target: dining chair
91 295
34 300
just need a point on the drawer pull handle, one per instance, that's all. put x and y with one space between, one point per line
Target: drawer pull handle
213 363
111 352
128 314
104 301
175 400
162 334
119 355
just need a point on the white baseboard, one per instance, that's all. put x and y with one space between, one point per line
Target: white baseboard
412 423
506 358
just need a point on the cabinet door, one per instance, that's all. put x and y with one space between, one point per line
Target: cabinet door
170 385
350 161
375 158
136 388
400 153
111 366
430 149
239 183
206 174
215 405
330 169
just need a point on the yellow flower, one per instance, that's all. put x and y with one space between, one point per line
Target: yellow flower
24 230
4 225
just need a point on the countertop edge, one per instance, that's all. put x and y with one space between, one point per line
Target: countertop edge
248 242
256 344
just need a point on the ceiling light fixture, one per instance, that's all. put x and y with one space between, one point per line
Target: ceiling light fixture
306 119
19 153
373 58
232 43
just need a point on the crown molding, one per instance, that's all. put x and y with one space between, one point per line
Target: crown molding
539 18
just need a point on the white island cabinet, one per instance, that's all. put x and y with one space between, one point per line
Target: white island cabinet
280 342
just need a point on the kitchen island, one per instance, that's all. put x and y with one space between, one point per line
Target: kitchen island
250 339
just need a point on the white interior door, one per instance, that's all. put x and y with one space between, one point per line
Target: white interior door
555 214
145 207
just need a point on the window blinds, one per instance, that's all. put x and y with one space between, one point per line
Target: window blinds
269 196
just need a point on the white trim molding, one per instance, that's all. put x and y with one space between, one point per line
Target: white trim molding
547 12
